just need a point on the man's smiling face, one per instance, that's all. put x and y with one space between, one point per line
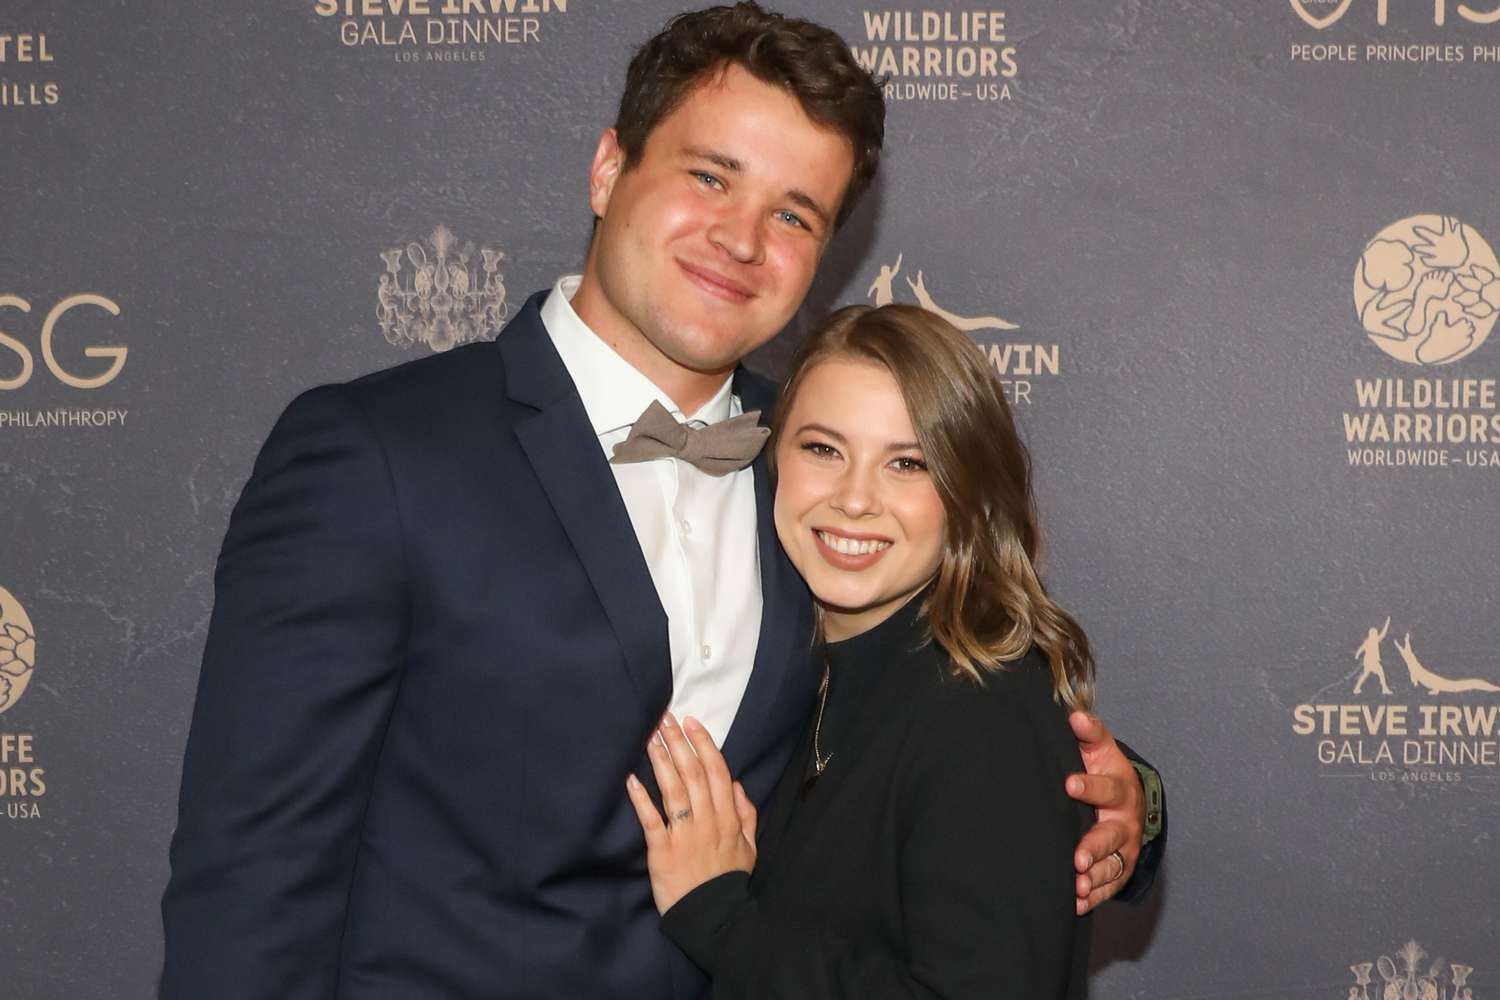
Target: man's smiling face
708 243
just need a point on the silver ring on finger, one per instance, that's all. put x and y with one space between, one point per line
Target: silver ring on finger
1119 860
684 814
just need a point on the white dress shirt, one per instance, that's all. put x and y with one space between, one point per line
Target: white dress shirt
698 532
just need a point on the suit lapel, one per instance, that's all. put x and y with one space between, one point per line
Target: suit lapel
564 453
781 680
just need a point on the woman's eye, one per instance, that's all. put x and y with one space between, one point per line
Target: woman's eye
908 464
819 449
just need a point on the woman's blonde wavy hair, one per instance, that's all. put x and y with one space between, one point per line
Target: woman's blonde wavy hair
987 606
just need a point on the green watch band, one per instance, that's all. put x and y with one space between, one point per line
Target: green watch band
1151 785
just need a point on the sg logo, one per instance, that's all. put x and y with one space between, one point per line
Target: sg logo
115 354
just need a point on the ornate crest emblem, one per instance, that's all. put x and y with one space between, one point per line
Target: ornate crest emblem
1409 977
436 293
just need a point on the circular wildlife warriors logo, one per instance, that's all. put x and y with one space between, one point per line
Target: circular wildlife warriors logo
1427 290
17 650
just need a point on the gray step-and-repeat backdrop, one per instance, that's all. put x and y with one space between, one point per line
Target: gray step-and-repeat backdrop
1235 258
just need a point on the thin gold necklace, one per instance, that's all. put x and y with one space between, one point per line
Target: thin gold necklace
819 761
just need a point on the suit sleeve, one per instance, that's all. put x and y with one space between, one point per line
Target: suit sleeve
1146 866
300 671
985 890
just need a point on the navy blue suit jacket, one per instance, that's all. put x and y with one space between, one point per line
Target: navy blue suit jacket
436 651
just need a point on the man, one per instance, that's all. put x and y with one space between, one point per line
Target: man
445 625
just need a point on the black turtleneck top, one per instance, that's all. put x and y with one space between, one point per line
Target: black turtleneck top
932 857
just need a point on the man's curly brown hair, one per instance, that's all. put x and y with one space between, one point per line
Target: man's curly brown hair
810 61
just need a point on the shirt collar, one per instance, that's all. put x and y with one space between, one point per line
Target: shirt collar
614 393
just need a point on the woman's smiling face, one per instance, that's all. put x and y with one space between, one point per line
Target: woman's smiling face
856 510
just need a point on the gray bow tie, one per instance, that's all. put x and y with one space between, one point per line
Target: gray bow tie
717 449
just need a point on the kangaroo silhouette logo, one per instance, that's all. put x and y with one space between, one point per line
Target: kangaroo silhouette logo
17 650
882 293
1368 654
1427 290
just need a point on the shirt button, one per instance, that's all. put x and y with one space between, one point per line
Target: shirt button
687 527
708 651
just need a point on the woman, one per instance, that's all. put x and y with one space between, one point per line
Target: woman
919 843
